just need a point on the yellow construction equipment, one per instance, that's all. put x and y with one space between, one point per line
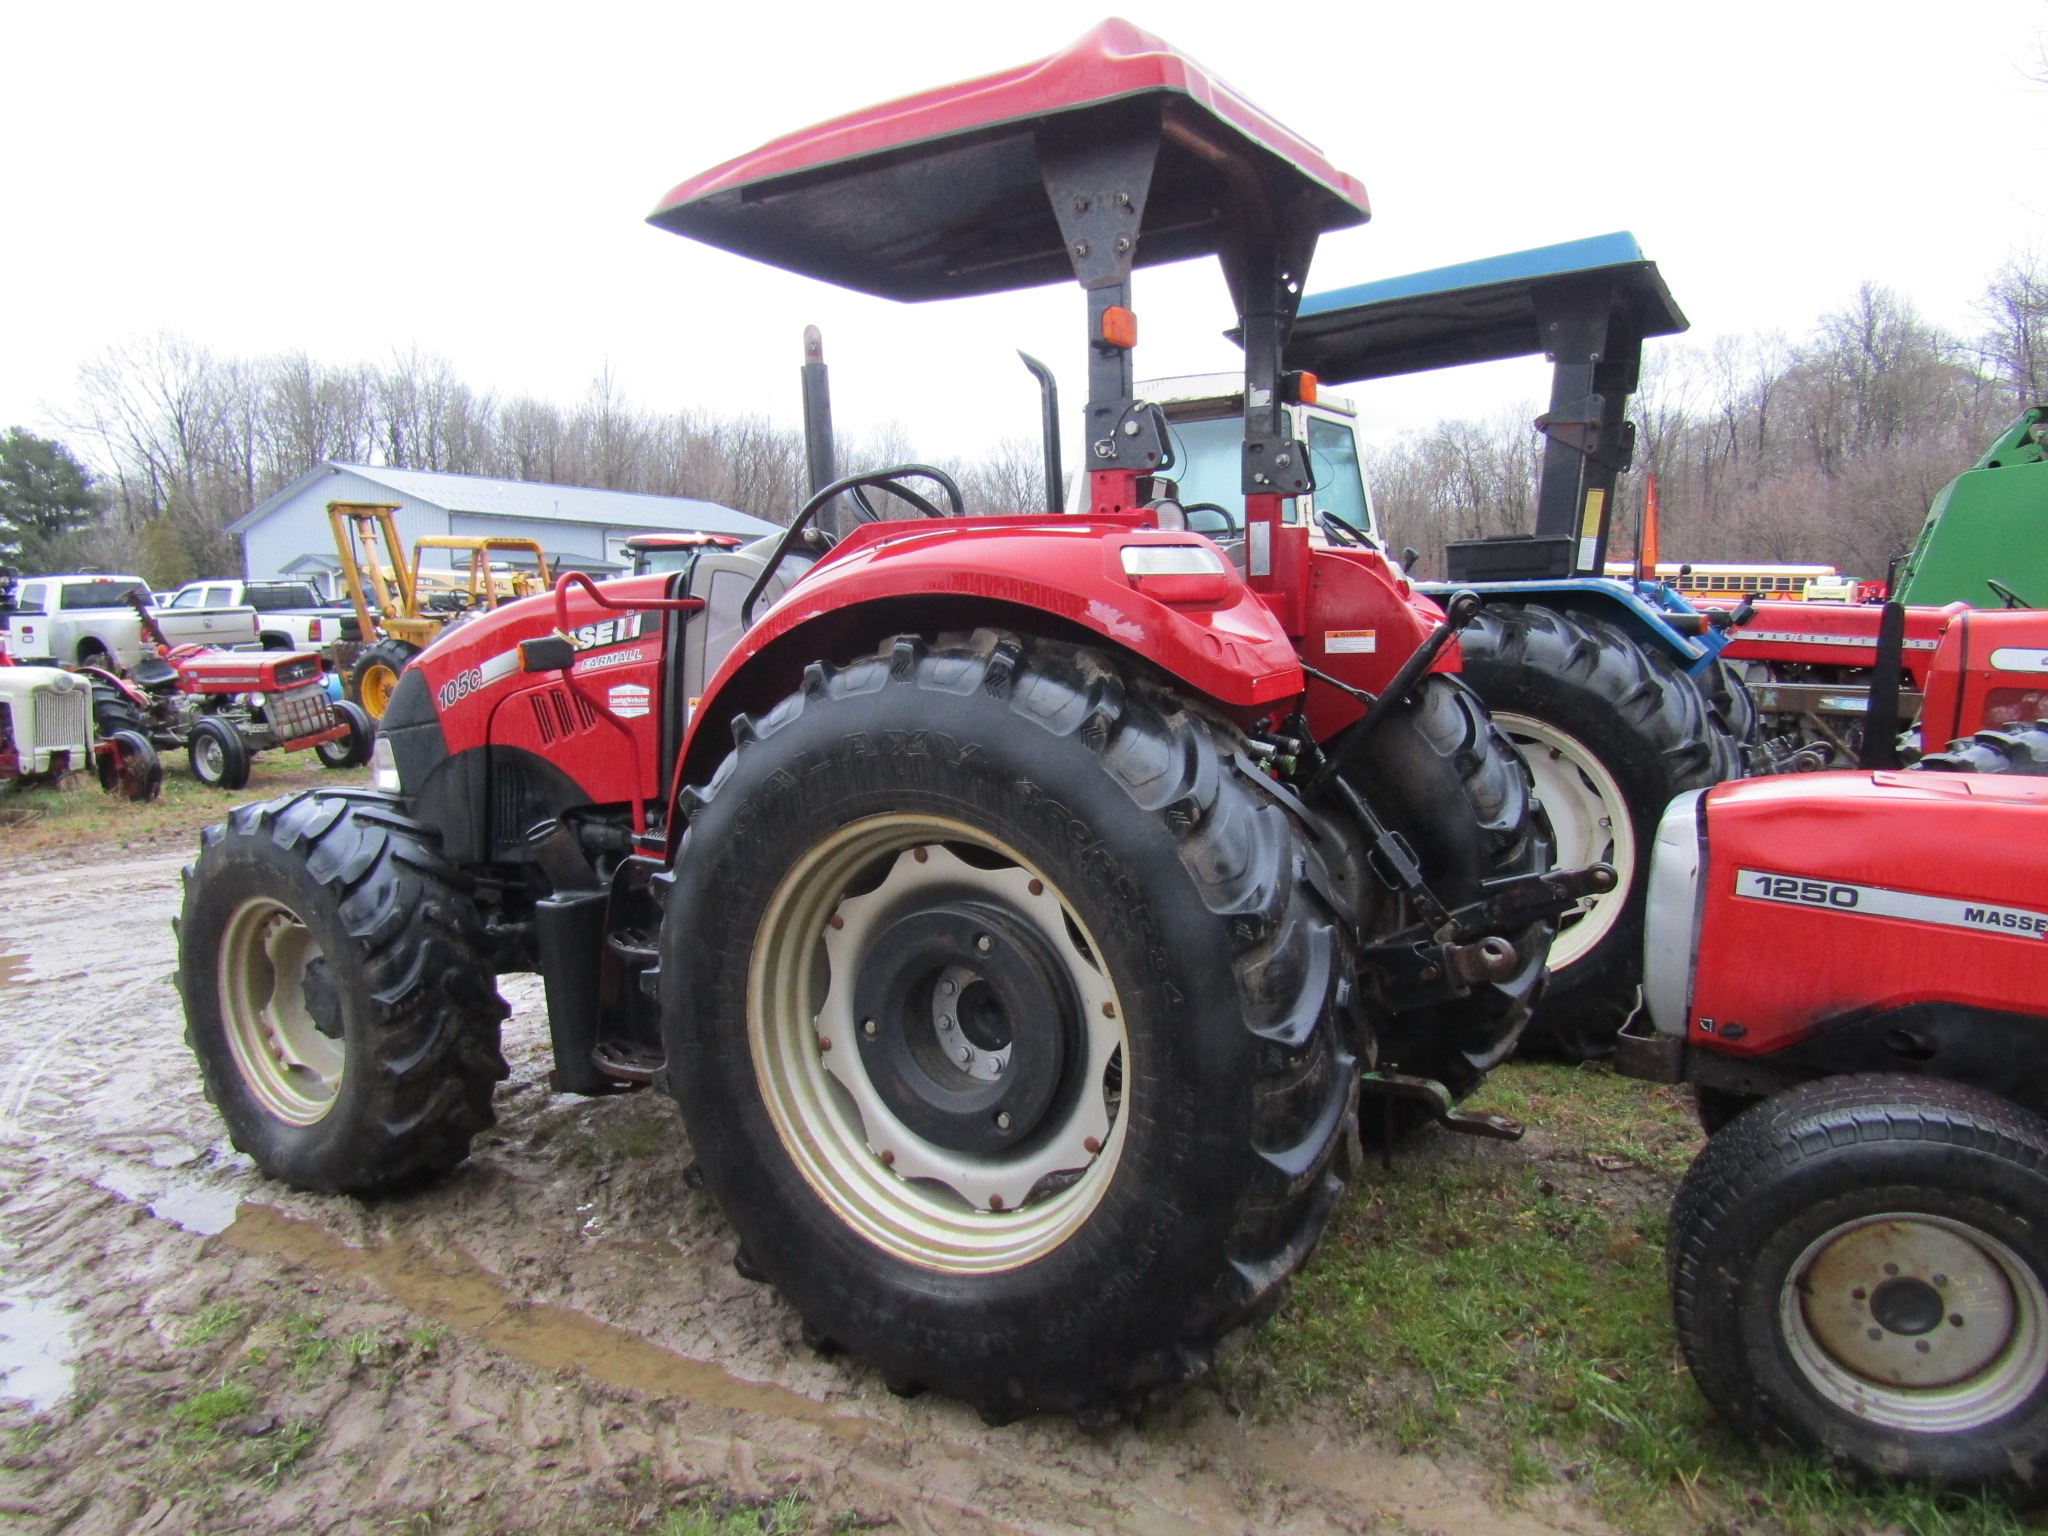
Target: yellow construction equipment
404 606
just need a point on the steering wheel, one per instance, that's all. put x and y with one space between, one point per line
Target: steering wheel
1230 528
2010 598
1342 532
881 479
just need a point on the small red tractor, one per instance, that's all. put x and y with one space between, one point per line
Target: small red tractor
1851 969
1013 914
223 707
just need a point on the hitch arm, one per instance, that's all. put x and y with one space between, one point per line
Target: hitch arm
1461 610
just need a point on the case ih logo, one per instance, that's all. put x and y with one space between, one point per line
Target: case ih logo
628 700
627 626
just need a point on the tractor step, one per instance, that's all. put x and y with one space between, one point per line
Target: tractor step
627 1063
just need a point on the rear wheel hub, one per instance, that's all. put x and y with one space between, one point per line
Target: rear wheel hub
966 1025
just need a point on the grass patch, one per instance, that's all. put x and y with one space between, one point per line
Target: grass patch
306 1344
35 820
728 1516
641 1136
1516 1309
205 1411
210 1323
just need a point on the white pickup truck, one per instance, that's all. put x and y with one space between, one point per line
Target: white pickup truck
290 615
68 621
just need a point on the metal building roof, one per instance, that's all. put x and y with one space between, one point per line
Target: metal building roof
531 499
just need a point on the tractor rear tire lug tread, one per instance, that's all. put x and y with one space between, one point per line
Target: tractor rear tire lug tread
1247 860
2015 749
1656 732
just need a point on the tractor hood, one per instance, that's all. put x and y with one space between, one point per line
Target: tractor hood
942 194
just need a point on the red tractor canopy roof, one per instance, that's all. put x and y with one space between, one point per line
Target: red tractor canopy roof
942 194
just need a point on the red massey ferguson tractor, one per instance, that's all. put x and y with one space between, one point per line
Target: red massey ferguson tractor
1012 912
1851 969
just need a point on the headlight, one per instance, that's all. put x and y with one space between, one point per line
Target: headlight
255 700
384 769
1678 863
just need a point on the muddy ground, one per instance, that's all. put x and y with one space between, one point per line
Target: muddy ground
554 1339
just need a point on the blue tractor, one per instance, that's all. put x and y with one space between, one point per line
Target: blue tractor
1612 687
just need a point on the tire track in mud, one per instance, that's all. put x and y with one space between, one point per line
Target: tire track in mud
601 1354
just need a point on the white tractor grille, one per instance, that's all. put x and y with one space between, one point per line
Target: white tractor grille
61 719
301 712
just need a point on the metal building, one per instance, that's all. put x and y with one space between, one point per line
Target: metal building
579 528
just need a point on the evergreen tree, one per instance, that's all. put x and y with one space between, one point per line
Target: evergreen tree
45 493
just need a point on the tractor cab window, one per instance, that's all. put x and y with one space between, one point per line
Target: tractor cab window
100 594
1340 484
649 562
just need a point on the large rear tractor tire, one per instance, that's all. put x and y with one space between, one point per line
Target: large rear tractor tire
337 995
375 674
2021 749
113 711
1445 777
1002 1021
1611 732
1860 1266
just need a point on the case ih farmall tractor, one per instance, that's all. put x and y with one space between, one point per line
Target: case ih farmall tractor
1013 916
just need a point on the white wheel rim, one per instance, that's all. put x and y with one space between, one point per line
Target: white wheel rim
921 1202
291 1068
208 759
1961 1342
1589 820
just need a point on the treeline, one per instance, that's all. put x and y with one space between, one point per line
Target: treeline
1825 449
184 441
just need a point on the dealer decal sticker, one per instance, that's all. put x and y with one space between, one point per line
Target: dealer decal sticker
627 700
1877 901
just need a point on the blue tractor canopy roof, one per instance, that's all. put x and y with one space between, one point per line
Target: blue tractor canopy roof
1477 311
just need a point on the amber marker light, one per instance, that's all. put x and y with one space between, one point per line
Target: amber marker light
1119 327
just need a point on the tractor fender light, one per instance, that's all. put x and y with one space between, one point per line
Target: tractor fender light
1300 388
384 769
1119 327
1193 574
1171 560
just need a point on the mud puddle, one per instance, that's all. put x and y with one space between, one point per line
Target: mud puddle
552 1339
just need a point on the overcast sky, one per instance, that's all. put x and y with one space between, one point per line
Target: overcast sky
354 179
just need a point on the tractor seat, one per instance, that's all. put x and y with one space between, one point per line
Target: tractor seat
152 671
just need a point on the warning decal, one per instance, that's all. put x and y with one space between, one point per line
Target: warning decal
1350 642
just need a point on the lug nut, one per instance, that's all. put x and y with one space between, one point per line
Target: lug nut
888 1158
966 1055
1037 887
984 943
1091 1144
921 854
1002 1119
948 986
867 1027
838 921
945 1021
1109 1010
995 1202
824 1043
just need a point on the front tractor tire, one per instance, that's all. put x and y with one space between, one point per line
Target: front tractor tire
218 755
376 673
1611 731
336 993
1860 1267
1002 1021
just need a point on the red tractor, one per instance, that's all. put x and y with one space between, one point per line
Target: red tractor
223 707
1851 969
1013 915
